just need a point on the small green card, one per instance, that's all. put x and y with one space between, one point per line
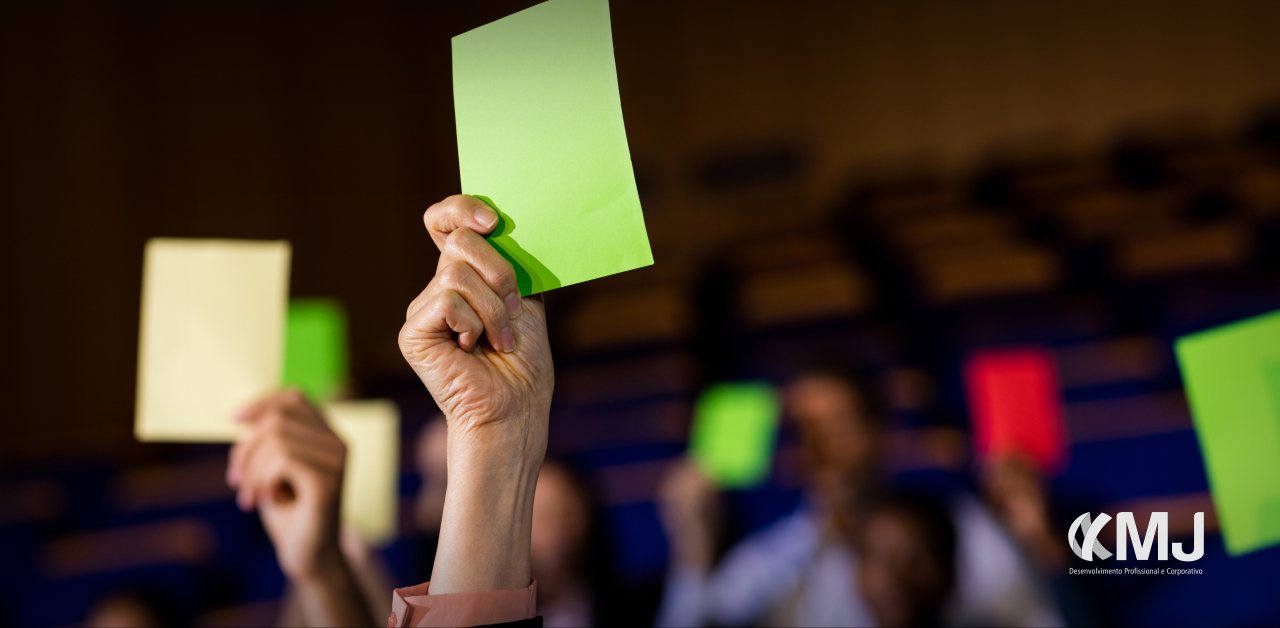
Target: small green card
1232 378
315 355
541 139
734 428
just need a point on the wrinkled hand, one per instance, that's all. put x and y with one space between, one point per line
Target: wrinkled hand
482 352
289 466
690 512
478 346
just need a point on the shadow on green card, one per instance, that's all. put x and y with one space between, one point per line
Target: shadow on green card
734 427
531 275
315 357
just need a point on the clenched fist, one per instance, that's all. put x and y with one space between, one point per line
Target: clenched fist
482 352
477 345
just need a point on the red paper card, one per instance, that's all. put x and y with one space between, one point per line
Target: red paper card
1015 406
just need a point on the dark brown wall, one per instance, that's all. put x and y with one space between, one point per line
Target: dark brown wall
331 125
328 125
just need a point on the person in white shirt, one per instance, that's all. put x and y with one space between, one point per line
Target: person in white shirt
802 570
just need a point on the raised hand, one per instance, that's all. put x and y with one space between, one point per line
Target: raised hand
478 346
482 352
289 466
689 510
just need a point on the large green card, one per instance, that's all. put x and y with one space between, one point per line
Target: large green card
541 139
734 428
315 355
1232 378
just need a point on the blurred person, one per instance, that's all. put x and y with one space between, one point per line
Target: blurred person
137 608
562 524
1016 492
906 569
430 458
802 569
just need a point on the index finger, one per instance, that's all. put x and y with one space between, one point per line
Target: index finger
457 212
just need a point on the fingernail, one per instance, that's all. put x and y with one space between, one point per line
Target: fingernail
486 217
508 340
513 303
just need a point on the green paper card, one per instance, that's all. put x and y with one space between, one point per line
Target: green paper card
734 428
541 139
315 355
1232 378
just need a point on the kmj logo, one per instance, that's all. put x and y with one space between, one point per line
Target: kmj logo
1157 531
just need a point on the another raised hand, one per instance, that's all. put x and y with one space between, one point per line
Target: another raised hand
289 466
689 509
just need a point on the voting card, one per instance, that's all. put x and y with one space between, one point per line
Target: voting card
541 139
1015 406
315 349
734 431
1232 379
370 486
211 334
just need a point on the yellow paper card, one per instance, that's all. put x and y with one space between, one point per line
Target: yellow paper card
211 334
370 488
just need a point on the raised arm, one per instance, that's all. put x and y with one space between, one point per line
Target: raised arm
289 466
482 352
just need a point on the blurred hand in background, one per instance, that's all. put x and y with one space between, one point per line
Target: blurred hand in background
289 466
690 511
1017 496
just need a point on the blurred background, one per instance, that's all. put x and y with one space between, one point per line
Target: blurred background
900 183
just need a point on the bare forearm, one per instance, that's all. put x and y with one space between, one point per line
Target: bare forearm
488 515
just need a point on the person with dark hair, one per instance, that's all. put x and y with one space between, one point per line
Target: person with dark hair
803 569
798 570
907 561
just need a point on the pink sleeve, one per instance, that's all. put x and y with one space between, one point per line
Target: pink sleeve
416 607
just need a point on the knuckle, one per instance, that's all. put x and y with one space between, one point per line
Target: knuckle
434 210
507 276
273 425
452 274
453 306
454 244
